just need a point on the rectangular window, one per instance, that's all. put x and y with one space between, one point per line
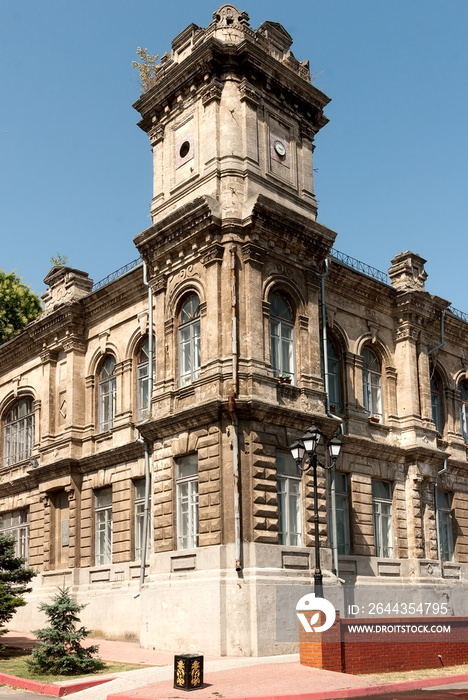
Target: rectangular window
103 532
18 435
289 500
189 353
383 528
187 501
143 390
16 523
139 520
436 413
334 388
342 513
444 525
107 401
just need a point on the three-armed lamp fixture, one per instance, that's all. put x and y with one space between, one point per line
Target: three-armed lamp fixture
308 444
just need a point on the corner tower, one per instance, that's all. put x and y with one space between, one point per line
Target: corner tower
232 115
235 257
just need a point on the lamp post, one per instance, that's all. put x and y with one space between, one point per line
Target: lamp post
308 444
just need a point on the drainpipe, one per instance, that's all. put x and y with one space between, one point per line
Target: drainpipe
146 511
442 334
330 415
232 411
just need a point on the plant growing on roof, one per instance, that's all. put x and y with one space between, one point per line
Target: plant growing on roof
148 68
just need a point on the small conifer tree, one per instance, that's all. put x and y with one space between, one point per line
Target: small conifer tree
60 650
14 579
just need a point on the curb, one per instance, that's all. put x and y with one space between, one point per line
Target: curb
369 691
56 689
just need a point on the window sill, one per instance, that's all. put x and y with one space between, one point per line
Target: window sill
102 437
288 389
187 390
379 426
19 463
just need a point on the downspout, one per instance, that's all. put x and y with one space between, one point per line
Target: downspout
442 334
146 511
330 415
444 469
232 411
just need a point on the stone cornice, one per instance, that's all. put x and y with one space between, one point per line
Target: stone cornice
120 294
418 304
456 330
49 329
39 475
110 458
187 419
187 222
311 240
357 287
245 60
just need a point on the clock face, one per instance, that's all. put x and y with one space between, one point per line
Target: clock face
280 148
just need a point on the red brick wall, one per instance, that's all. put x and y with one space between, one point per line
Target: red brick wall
322 650
339 649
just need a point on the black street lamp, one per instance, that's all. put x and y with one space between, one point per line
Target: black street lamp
309 443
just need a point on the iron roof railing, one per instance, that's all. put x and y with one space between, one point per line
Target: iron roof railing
337 255
359 266
459 314
116 274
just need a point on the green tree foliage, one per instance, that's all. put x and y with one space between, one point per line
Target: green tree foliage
148 68
59 259
14 580
60 650
18 305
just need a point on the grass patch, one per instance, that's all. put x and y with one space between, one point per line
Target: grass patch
400 676
13 662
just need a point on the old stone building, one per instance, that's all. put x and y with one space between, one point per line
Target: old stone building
103 430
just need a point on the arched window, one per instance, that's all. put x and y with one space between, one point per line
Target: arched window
436 405
463 389
143 379
18 432
189 340
107 395
282 336
372 384
334 378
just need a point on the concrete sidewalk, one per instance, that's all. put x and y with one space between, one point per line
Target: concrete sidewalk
226 677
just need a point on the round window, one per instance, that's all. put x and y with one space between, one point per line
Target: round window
184 149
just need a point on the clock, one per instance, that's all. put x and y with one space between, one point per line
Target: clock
280 148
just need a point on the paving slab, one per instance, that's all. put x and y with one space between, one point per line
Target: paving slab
270 678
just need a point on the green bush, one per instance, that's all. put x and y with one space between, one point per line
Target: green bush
60 650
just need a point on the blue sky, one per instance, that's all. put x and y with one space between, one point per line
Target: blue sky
75 170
